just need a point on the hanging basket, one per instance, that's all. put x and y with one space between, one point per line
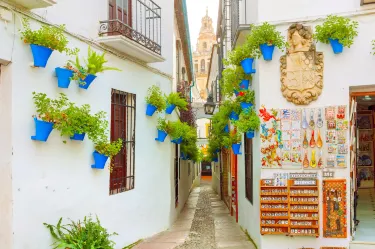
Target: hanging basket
216 159
236 149
170 109
245 106
177 141
183 156
42 130
236 92
63 77
250 134
41 55
337 47
247 65
100 160
226 129
151 109
161 136
234 116
78 137
84 84
244 85
267 51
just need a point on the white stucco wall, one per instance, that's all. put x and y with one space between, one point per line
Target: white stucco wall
52 180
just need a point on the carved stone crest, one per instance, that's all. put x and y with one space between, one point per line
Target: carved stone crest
302 67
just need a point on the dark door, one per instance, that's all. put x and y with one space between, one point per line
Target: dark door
120 13
176 175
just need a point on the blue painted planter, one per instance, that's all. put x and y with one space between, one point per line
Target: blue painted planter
177 141
150 110
170 109
41 55
245 105
87 81
100 160
233 116
336 46
267 51
78 137
42 130
244 85
236 149
63 77
161 136
236 92
247 65
216 160
226 129
217 150
183 156
250 134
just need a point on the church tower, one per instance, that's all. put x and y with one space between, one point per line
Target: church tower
201 58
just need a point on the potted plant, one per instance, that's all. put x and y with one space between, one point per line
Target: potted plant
105 150
235 141
263 39
248 123
175 99
154 100
242 56
44 41
338 31
94 63
162 130
49 111
246 99
64 75
234 80
233 107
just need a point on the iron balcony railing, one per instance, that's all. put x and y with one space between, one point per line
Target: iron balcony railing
239 18
138 20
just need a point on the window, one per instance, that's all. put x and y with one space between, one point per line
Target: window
249 169
203 65
120 10
123 126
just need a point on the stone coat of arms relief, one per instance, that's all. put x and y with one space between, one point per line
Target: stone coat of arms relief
302 67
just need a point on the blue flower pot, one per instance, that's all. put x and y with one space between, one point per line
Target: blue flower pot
170 109
161 136
236 149
150 110
41 55
183 156
217 150
250 134
226 129
63 77
177 141
336 46
267 51
233 116
247 65
236 92
87 81
244 85
245 105
42 130
78 137
216 160
100 160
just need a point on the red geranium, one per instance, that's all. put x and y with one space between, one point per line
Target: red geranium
242 94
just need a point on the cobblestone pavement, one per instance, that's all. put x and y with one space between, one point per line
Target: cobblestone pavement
204 223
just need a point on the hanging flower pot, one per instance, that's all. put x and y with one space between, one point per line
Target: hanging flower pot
63 77
216 159
233 116
336 46
42 130
217 150
250 134
41 55
226 129
151 109
236 92
247 65
245 105
78 137
100 160
236 149
161 136
84 84
170 109
244 85
267 51
183 156
177 141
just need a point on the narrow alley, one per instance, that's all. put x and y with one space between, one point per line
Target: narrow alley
204 223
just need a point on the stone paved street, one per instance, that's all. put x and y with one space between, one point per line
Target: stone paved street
204 223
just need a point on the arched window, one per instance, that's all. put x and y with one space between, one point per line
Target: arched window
205 45
203 65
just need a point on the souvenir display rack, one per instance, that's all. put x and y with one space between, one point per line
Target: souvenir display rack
274 209
304 208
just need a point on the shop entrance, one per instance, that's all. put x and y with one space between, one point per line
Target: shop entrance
362 165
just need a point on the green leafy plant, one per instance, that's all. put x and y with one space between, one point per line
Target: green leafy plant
247 96
110 149
47 36
264 33
239 54
234 137
176 99
248 121
155 98
231 79
162 124
86 234
50 110
337 27
177 129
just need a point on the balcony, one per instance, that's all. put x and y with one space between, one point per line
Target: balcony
135 29
34 4
240 21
